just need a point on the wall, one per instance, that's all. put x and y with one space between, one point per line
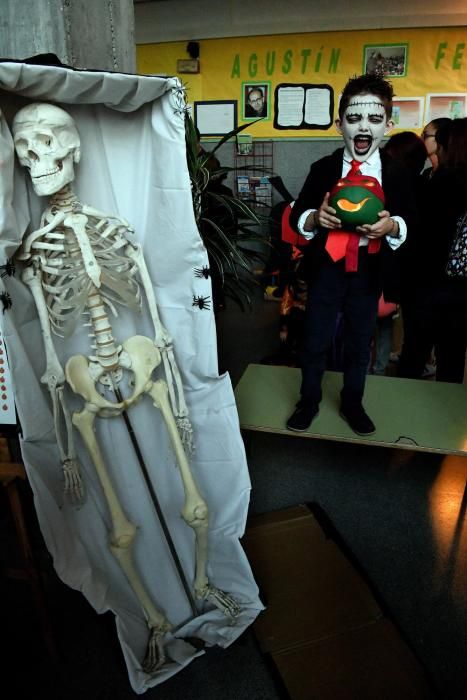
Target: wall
82 33
180 20
435 58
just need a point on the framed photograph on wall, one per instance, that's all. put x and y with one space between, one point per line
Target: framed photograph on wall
385 60
256 100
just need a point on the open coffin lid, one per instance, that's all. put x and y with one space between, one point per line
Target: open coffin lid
133 164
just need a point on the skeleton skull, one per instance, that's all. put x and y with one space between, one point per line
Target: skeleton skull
47 142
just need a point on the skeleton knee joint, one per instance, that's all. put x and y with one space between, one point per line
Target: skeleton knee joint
124 539
196 517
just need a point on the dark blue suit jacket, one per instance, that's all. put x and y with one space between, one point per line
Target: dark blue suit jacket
400 201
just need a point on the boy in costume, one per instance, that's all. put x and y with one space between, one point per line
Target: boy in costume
350 266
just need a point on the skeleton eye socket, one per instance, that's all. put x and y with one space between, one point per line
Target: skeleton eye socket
21 147
44 140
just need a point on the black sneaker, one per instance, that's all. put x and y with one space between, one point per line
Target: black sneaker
301 418
358 419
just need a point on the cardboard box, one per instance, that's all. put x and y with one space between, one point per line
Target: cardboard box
326 633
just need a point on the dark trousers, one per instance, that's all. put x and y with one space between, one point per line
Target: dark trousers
436 317
331 290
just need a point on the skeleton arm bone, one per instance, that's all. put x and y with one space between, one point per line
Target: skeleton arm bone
54 377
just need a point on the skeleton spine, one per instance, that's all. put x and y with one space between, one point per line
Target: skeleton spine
106 350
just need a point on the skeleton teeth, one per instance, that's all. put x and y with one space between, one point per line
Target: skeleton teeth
49 173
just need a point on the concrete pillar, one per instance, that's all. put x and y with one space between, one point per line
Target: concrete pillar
95 34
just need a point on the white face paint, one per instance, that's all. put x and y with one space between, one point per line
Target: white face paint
363 126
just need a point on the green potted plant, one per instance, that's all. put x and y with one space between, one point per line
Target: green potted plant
227 224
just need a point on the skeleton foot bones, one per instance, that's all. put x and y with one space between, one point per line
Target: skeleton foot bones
82 261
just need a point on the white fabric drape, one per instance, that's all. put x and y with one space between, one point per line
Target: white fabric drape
133 164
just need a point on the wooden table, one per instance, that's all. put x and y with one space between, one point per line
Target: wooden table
409 414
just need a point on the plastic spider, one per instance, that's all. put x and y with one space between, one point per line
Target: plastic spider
202 302
5 298
8 269
202 272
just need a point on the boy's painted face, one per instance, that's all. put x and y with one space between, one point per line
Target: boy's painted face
363 126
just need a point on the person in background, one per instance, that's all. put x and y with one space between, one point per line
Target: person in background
434 306
409 150
429 139
334 283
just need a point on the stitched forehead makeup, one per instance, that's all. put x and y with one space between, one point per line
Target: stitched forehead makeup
365 103
352 109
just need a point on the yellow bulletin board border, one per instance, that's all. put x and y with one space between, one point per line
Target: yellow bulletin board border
434 62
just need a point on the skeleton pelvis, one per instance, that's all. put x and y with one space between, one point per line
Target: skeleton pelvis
141 358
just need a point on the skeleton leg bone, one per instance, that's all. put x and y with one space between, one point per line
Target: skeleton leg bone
121 541
195 510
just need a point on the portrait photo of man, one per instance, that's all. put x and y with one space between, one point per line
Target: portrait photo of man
255 101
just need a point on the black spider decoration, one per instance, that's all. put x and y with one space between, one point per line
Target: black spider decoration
5 298
202 302
8 269
203 272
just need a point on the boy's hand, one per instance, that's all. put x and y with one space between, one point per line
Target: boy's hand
324 216
384 227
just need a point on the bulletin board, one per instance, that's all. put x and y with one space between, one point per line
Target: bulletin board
427 68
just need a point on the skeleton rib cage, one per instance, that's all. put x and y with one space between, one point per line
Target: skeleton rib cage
64 276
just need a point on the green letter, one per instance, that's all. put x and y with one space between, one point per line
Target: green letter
253 65
334 60
270 62
456 61
236 67
305 53
318 60
287 64
440 53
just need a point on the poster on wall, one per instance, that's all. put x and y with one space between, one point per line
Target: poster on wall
407 112
7 402
303 106
452 105
385 60
216 117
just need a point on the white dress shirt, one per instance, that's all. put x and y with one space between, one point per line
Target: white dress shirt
370 167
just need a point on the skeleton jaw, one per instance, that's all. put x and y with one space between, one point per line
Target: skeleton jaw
50 177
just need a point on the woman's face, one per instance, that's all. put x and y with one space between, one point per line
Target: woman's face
428 136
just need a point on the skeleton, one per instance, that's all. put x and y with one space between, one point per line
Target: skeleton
79 261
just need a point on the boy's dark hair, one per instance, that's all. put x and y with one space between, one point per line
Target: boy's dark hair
370 85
